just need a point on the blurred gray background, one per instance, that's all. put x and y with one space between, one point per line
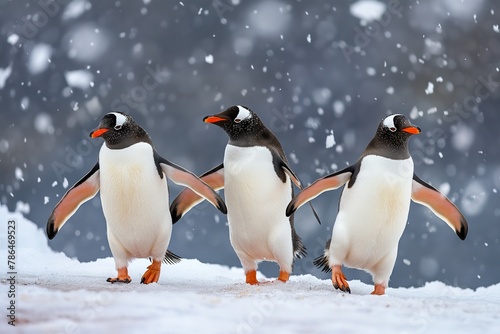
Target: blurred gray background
306 67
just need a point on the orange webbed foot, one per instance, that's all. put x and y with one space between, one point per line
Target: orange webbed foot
338 279
379 290
251 277
123 277
152 275
284 276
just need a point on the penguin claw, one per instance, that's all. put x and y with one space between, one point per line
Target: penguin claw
339 281
119 280
342 288
122 277
152 275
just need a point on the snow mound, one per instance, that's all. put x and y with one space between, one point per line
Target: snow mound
57 294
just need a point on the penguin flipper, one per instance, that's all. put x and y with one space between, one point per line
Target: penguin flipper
297 182
188 199
425 194
329 182
82 191
282 165
288 171
186 178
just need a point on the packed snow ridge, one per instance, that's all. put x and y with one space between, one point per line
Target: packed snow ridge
56 294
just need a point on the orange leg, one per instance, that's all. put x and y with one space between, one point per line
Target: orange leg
123 277
379 290
152 275
251 277
284 276
338 279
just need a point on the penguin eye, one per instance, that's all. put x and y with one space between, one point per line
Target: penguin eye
118 127
392 129
237 120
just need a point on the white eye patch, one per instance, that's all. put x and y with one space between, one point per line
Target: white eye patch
120 120
389 122
243 113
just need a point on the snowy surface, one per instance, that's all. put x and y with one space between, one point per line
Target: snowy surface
56 294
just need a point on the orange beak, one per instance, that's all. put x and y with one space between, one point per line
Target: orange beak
98 132
214 119
412 130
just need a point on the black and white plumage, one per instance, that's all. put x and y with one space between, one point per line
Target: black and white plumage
374 205
257 182
130 175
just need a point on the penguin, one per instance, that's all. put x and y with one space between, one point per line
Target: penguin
374 206
257 183
130 175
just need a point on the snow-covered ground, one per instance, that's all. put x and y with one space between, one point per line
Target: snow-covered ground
56 294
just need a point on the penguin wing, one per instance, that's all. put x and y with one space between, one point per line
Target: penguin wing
425 194
288 171
187 199
329 182
78 194
185 178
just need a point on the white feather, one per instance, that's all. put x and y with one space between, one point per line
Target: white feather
120 119
243 113
389 121
256 199
135 203
372 216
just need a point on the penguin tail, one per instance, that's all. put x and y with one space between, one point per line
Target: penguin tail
171 258
299 250
322 262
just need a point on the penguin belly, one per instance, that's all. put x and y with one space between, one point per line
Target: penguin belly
373 214
256 199
135 203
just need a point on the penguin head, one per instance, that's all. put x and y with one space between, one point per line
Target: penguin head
392 136
396 128
238 122
119 130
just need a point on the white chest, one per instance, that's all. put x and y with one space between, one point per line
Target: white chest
250 178
373 212
256 200
131 187
375 208
247 161
382 188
